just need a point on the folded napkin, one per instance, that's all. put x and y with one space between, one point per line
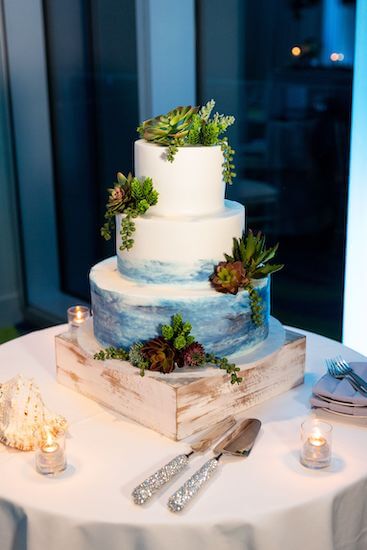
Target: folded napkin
342 391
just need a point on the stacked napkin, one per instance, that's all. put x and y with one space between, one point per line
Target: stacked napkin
339 395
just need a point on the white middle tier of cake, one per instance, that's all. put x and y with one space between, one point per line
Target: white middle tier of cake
178 250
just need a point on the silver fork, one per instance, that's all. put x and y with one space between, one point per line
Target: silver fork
336 371
346 369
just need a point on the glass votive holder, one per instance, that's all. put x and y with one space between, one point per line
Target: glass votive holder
316 437
77 315
50 453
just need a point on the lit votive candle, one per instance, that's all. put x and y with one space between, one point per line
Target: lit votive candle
50 455
316 443
77 315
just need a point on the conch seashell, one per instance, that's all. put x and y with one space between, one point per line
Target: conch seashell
23 414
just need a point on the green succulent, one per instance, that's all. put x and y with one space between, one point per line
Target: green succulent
132 197
178 332
175 348
170 129
206 110
160 355
191 126
252 252
249 261
137 358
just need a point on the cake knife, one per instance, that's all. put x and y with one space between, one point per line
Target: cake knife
238 443
144 492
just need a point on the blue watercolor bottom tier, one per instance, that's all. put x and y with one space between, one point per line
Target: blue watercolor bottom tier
125 313
157 272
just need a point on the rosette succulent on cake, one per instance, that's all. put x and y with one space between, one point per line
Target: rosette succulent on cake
160 354
229 277
174 347
132 197
249 261
189 125
173 126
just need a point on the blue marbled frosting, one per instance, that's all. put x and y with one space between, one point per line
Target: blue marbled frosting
221 322
156 272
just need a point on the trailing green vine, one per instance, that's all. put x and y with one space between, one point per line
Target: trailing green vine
224 364
257 307
112 353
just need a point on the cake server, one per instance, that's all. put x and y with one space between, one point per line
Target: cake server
143 492
238 443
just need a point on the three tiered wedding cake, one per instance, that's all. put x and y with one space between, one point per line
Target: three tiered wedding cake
185 303
165 260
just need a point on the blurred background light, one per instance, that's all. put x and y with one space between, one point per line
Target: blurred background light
296 51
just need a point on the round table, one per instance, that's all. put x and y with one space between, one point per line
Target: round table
267 501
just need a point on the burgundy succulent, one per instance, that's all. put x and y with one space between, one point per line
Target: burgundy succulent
160 354
193 355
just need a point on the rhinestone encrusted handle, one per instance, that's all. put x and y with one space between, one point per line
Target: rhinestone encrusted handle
191 487
143 492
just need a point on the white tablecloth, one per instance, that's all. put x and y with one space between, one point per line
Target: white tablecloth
265 502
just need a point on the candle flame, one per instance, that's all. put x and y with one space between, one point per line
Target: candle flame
316 438
316 433
49 437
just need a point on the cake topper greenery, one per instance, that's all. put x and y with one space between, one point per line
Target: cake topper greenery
174 347
249 261
132 197
191 126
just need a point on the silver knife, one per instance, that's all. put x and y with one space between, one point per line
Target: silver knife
144 492
238 443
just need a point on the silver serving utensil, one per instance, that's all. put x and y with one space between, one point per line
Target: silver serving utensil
335 370
238 443
144 492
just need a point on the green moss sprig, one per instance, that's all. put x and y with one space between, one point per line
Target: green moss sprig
191 126
131 197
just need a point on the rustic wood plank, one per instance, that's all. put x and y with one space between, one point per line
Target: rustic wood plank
179 407
138 398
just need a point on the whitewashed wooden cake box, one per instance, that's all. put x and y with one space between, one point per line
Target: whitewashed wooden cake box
188 400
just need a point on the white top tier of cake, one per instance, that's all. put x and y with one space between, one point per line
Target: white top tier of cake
191 185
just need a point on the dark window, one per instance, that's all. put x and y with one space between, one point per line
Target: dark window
92 71
284 69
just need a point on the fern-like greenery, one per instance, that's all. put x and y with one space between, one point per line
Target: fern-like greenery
191 126
131 197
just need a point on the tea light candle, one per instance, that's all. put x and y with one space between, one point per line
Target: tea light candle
50 456
316 444
77 315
